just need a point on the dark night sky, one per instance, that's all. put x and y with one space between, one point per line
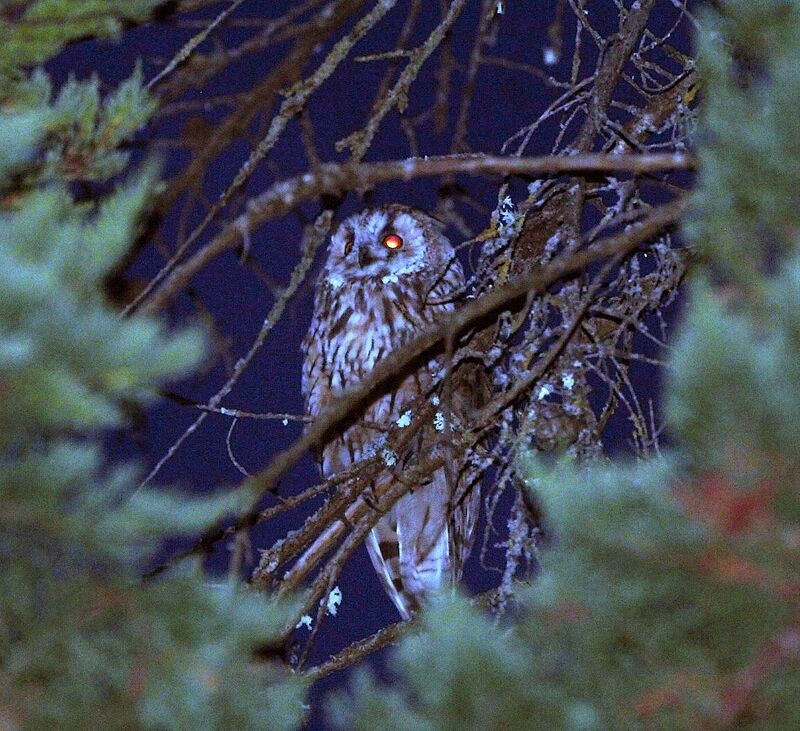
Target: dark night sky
504 101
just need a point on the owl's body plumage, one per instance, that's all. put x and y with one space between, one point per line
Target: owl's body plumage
372 298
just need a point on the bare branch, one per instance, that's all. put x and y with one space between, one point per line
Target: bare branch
359 142
359 650
334 179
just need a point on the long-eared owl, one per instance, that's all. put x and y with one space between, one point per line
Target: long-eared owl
390 274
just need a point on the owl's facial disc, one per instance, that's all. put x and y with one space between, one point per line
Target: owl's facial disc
382 244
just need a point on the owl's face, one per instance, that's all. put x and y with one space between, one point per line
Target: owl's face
386 244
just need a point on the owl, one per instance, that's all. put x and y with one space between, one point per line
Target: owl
390 274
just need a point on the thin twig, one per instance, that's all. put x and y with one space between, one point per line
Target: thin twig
356 652
315 236
190 46
359 142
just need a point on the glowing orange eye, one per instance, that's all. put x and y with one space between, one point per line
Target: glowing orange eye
393 242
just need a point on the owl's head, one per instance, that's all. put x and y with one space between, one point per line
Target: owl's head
387 244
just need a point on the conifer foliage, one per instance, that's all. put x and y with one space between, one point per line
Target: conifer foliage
82 643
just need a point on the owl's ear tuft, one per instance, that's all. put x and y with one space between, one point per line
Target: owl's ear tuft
438 223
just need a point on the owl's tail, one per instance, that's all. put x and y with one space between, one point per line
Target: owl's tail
383 547
410 550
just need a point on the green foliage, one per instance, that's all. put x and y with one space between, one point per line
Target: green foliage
750 157
669 599
630 602
752 358
87 132
75 136
69 360
459 672
32 32
740 333
83 644
627 613
20 135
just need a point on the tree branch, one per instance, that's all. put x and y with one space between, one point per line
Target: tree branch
334 179
359 650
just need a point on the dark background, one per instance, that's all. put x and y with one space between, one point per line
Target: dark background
232 299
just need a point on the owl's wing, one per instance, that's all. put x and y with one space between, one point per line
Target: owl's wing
421 546
464 520
471 390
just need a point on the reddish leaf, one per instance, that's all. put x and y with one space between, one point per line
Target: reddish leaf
567 613
136 681
716 501
732 568
738 701
668 695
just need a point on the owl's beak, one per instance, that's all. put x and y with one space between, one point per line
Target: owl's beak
365 257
